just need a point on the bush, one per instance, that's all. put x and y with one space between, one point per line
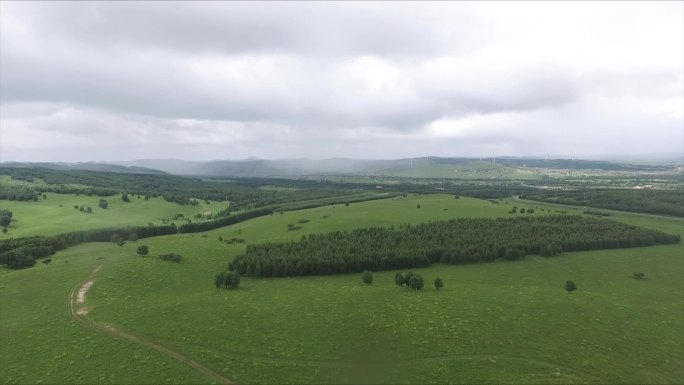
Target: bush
416 282
639 275
399 279
570 286
439 283
170 257
143 250
367 277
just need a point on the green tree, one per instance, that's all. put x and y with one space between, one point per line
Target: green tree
367 277
416 282
4 230
220 279
5 220
120 242
103 204
639 275
143 250
231 280
47 261
439 283
570 287
399 279
124 197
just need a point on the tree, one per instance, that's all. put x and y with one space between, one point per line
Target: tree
219 279
5 217
115 238
418 206
4 230
439 283
570 287
5 220
120 242
47 261
639 275
143 250
416 282
124 197
367 277
103 204
234 280
399 279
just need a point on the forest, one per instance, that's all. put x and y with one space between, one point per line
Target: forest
651 201
457 241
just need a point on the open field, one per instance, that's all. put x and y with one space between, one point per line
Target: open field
57 214
502 322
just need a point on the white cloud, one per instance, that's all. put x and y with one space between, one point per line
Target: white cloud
220 79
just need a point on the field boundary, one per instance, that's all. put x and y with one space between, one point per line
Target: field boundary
109 330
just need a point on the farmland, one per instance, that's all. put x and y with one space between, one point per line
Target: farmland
502 322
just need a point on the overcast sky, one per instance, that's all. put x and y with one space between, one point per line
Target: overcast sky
227 80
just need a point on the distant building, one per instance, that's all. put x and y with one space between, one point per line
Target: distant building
440 188
379 187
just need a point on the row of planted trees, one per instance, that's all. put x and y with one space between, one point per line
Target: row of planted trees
458 241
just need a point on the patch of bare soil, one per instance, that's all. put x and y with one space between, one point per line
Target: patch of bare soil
83 290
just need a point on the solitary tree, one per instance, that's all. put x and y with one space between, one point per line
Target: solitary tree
124 197
367 277
143 250
4 230
439 283
47 261
639 275
570 286
103 204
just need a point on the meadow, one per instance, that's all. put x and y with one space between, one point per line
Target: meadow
501 322
56 214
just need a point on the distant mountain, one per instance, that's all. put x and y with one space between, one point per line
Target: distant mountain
428 167
90 166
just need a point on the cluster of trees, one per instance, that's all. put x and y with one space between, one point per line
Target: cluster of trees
223 221
457 241
227 280
5 217
653 201
18 193
522 210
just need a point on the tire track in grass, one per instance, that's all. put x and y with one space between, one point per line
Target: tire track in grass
79 316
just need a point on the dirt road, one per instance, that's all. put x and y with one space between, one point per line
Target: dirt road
77 313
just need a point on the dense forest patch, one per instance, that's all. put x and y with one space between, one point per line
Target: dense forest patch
668 202
457 241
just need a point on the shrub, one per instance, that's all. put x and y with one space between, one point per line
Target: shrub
367 277
439 283
170 257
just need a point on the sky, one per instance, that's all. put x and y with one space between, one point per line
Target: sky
108 81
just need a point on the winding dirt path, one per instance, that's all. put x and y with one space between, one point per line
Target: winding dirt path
77 313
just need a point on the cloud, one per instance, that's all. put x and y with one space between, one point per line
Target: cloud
191 80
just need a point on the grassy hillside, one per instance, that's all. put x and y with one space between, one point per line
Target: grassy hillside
57 214
503 322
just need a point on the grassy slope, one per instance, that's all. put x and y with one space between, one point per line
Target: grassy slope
499 322
46 217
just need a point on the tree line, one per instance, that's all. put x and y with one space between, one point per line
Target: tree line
457 241
23 252
653 201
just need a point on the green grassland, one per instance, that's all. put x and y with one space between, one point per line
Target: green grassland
503 322
57 214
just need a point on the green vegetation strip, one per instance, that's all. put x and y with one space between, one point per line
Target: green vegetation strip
667 202
458 241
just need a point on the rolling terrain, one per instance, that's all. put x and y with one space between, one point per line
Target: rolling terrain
501 322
